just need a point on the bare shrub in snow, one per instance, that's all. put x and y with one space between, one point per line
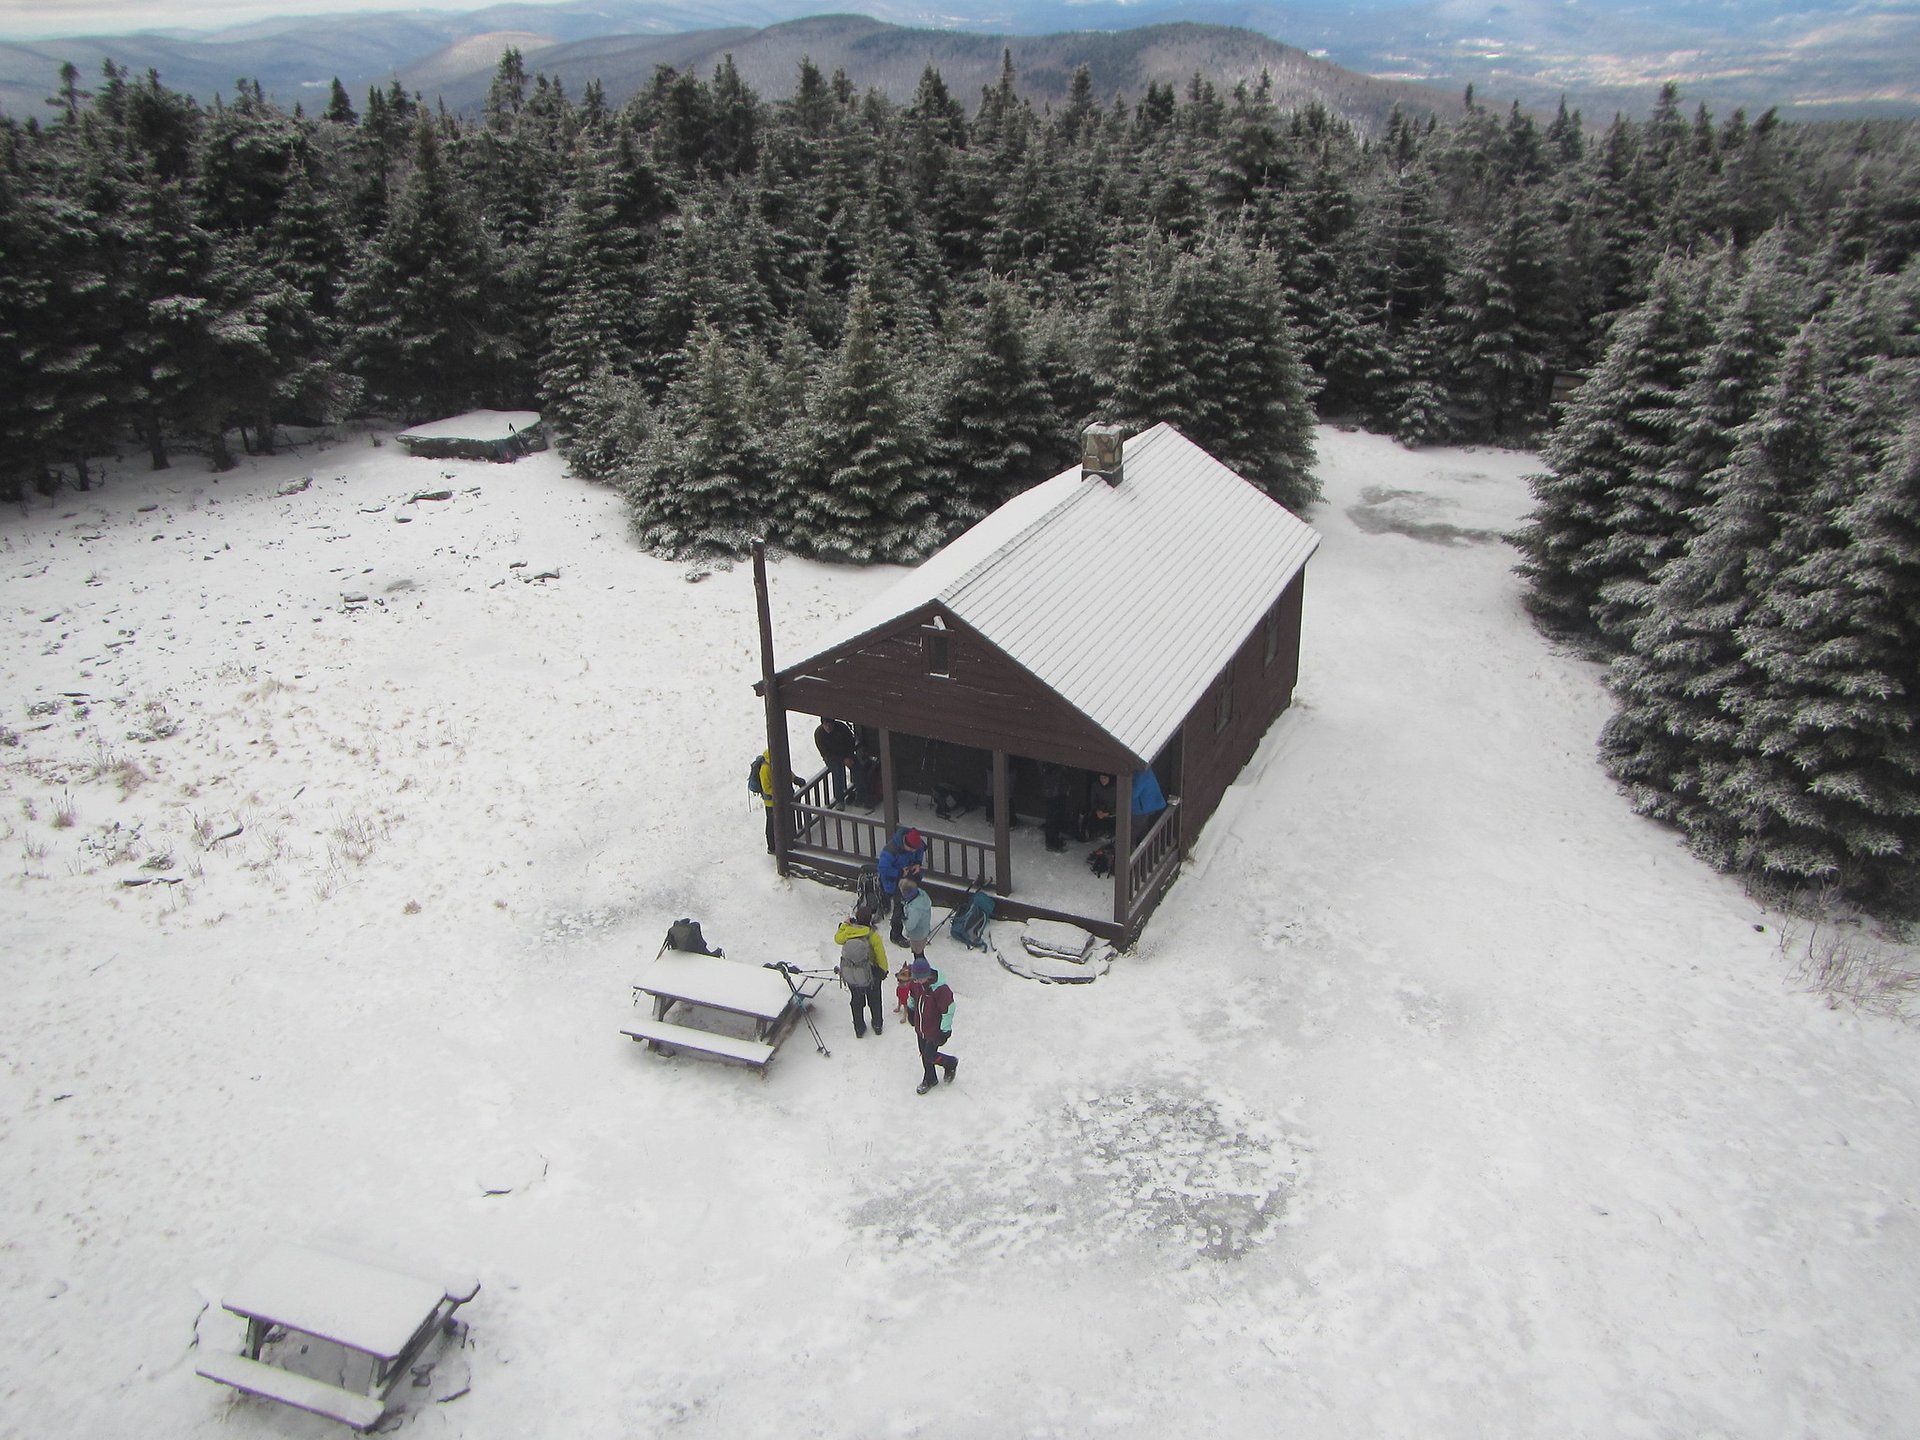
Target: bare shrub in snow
1841 956
129 775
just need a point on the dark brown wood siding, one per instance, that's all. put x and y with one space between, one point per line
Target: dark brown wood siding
985 700
1262 689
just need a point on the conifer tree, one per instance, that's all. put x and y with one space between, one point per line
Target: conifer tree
1602 515
1684 741
859 482
996 432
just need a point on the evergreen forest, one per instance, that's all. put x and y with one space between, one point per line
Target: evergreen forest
855 326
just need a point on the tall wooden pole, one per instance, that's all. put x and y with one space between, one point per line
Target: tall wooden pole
1002 823
776 717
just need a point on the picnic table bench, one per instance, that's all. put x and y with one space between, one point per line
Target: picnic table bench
713 982
380 1321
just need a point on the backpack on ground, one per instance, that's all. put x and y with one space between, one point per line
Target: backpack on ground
1101 861
685 935
970 925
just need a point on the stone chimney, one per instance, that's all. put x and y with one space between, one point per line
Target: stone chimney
1100 448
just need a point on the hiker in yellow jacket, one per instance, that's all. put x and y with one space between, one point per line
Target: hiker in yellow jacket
863 965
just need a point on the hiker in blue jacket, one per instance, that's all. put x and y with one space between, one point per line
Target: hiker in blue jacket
905 853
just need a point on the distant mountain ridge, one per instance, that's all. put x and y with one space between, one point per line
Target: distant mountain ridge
891 59
873 53
1810 58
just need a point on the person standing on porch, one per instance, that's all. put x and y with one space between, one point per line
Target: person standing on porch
836 742
930 1012
863 965
1098 822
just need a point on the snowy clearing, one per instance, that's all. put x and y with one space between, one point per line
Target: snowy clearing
1442 1097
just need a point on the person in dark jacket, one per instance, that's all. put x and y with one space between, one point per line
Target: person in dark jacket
1098 822
863 965
930 1012
906 851
836 742
1054 790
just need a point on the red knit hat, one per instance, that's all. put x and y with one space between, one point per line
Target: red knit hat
915 839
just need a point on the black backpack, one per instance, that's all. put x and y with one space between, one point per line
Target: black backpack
753 778
867 893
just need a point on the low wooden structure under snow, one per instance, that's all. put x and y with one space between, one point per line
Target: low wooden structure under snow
501 435
330 1335
1139 612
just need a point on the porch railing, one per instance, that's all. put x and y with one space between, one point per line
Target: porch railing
1153 858
822 832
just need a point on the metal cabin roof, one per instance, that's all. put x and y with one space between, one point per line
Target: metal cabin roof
1127 601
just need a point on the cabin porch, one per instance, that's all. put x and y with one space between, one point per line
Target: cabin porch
1028 881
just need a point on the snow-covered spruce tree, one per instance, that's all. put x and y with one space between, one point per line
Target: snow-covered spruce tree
1830 747
204 339
1245 391
1600 514
995 429
427 328
858 485
1419 412
308 255
1882 576
1751 326
1504 318
1649 499
703 488
1698 682
616 420
602 245
1141 381
1651 743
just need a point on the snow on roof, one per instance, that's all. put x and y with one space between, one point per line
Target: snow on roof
482 425
1126 600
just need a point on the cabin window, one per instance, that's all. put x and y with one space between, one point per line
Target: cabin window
933 644
1223 704
1271 634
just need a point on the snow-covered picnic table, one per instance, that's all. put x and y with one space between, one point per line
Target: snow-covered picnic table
476 435
713 982
384 1315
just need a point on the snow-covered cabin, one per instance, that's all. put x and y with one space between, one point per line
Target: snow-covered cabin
1138 612
501 435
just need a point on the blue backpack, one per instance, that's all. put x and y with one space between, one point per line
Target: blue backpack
970 925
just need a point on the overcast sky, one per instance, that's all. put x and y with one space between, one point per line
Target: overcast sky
34 19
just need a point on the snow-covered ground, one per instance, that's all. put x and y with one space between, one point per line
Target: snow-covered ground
1442 1098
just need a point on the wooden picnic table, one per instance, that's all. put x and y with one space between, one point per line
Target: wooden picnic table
733 987
383 1315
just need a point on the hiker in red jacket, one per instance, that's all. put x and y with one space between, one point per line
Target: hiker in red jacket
930 1012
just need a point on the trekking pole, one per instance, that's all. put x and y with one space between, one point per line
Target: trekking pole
787 972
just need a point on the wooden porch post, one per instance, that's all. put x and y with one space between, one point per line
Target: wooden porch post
887 789
1122 845
1002 826
777 755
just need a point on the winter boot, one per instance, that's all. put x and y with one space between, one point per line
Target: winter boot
953 1068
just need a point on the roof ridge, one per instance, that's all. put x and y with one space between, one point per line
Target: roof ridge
1018 538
